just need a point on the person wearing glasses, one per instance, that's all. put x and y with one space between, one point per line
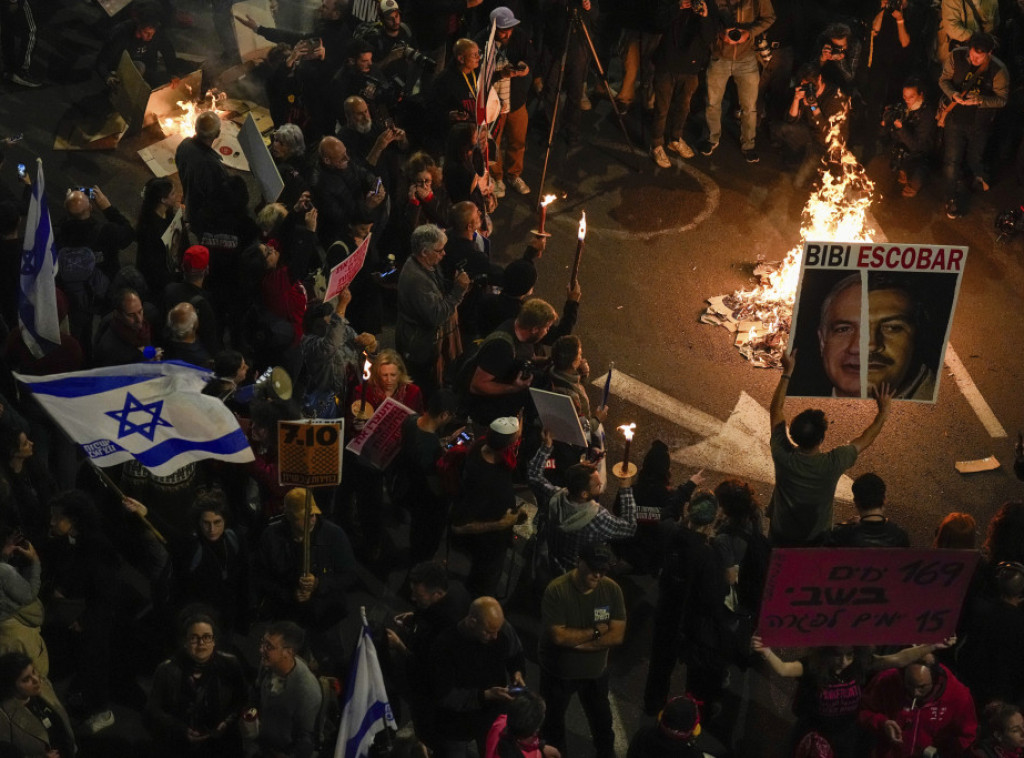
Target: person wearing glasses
289 694
197 696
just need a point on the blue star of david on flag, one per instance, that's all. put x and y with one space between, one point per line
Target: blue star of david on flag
147 428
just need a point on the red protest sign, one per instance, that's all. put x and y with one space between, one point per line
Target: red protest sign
343 274
872 596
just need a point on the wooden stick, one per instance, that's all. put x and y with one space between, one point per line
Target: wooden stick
117 490
307 517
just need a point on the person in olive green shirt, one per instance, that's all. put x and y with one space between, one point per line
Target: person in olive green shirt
583 615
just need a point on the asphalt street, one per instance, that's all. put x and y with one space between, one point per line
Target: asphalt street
659 242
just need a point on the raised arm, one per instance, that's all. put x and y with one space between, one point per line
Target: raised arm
777 410
883 397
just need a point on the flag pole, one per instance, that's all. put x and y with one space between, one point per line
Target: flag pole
105 478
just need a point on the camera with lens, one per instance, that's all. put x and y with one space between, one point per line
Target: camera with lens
1009 223
532 369
833 52
415 56
892 114
735 34
699 7
895 5
764 49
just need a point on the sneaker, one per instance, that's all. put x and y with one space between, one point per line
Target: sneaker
498 188
679 146
658 153
751 156
518 185
585 104
24 80
953 210
980 184
97 722
707 148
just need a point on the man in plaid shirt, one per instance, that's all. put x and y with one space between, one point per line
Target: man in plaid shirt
575 517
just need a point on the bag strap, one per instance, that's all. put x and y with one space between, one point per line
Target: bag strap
977 16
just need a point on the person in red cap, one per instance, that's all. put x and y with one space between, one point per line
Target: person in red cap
195 265
678 733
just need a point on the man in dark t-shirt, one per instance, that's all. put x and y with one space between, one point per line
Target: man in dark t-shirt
501 381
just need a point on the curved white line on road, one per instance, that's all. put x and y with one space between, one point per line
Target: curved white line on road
712 194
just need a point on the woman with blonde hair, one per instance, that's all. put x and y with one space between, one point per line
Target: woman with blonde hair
388 379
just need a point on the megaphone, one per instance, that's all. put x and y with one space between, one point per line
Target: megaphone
272 384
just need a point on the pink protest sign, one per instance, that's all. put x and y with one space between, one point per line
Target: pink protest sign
872 596
343 274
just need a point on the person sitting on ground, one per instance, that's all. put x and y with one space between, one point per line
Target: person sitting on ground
871 528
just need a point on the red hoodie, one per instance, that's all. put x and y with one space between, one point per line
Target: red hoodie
945 718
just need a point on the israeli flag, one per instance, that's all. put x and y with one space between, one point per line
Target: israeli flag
37 306
366 710
152 412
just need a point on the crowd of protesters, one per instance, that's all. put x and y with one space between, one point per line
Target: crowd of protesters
377 144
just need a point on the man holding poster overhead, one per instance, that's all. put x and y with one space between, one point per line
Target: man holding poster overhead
805 476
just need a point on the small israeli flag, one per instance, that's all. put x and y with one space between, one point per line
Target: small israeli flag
366 710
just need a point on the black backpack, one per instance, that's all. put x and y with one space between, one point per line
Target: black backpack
469 360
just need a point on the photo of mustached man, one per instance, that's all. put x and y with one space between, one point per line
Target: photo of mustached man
905 331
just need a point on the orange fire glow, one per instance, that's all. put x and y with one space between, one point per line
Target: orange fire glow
184 122
583 225
627 430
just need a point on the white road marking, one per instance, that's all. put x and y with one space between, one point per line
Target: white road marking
972 394
712 195
621 740
737 446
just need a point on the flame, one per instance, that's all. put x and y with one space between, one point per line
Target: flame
627 430
548 200
836 211
366 369
184 122
583 225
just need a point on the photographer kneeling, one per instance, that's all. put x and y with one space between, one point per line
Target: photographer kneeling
804 135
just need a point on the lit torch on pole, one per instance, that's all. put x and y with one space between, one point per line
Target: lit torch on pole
625 469
548 199
361 410
579 250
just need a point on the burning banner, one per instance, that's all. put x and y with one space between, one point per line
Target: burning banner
760 317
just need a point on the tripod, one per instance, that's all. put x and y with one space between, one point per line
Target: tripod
578 26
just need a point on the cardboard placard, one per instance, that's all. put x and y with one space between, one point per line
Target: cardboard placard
558 415
261 162
870 596
309 452
891 304
381 439
343 274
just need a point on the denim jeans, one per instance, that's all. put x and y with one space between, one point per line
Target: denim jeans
960 141
747 75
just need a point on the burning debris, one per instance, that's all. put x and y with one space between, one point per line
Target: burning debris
837 210
183 122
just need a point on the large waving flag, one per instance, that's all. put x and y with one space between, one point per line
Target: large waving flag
37 308
366 710
152 412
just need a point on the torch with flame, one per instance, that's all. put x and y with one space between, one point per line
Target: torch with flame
623 469
362 384
579 250
548 200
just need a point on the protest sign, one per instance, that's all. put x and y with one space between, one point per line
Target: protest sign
871 596
343 274
309 452
558 415
892 303
260 160
380 440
